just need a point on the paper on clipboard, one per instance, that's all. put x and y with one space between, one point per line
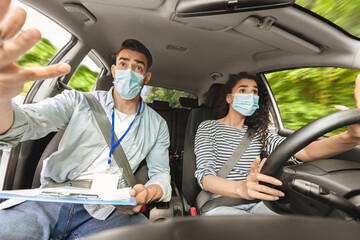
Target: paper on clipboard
68 194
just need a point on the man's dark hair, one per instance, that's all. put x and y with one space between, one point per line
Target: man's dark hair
137 46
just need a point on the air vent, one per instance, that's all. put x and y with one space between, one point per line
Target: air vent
176 48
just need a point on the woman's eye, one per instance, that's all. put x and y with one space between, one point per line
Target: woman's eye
138 68
242 90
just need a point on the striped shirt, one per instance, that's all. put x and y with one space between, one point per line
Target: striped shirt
215 143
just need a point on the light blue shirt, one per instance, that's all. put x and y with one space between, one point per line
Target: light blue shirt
83 141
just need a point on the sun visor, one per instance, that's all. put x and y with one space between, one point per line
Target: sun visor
266 30
193 8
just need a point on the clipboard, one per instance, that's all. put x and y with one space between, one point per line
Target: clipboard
68 194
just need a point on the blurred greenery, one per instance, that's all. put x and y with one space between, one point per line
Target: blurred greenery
344 13
83 79
169 95
304 95
39 55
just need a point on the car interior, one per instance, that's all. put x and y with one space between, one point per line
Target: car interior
195 45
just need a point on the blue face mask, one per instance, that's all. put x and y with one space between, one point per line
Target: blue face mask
127 83
246 104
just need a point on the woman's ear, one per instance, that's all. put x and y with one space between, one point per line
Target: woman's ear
229 98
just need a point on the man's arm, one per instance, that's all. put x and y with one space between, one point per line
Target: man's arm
6 116
13 77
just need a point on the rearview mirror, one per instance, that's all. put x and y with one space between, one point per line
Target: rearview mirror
193 8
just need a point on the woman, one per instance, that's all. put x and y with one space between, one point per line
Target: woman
245 104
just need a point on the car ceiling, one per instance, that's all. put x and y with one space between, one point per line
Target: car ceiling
187 50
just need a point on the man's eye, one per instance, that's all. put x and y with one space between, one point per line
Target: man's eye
122 64
242 90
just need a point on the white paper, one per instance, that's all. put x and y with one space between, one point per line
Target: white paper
68 194
105 182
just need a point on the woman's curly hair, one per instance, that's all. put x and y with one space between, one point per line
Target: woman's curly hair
260 120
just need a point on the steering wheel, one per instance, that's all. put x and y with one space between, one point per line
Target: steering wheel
312 188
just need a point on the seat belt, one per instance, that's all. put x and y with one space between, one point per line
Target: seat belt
105 127
202 199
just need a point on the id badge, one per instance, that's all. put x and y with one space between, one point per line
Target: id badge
108 180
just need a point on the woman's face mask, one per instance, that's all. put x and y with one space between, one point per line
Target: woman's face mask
246 104
127 83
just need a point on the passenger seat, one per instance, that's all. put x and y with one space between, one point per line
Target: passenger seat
180 118
190 188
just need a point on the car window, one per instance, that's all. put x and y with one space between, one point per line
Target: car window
343 13
54 37
150 93
304 95
85 76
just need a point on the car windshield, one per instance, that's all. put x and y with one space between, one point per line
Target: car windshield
344 13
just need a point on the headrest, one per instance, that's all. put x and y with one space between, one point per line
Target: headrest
188 102
160 105
104 83
213 94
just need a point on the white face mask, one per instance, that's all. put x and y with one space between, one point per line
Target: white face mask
127 83
246 104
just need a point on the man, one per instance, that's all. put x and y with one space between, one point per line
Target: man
83 154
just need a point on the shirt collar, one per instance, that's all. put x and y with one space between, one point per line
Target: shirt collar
110 103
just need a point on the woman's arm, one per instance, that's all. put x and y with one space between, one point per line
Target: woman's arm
328 147
251 189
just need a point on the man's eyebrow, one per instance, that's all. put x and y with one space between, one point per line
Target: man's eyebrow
247 86
139 61
124 58
128 59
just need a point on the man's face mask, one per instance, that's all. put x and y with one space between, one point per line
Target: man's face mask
127 83
246 104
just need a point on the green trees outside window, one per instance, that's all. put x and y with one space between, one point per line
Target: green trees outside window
304 95
169 95
83 79
344 13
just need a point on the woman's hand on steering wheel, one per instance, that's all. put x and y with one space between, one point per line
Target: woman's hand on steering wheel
255 190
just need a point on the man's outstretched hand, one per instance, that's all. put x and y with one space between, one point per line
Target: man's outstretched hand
13 77
12 46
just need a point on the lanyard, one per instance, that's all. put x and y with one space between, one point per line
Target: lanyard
113 146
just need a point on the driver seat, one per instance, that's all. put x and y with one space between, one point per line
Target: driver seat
190 188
